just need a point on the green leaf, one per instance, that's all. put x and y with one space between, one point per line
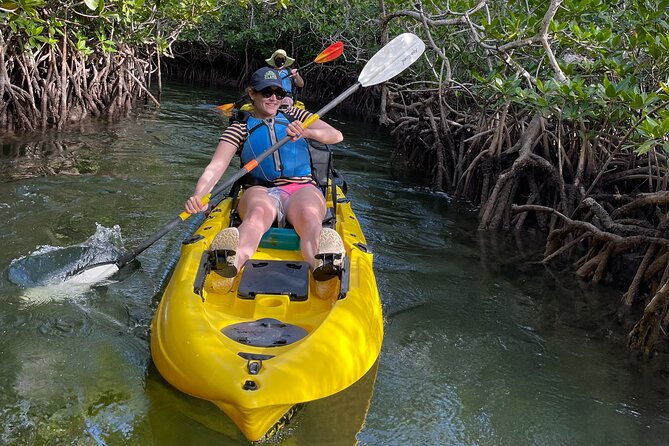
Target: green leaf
609 88
92 4
664 127
645 147
652 122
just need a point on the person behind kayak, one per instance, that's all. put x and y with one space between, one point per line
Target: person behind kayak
290 77
281 187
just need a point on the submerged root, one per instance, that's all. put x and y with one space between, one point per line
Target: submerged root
651 330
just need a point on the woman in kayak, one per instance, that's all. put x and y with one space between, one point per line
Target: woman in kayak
281 187
289 77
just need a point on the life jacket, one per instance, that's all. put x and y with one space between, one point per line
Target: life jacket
287 81
290 160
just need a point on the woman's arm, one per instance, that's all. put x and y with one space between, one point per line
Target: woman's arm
297 79
322 132
319 131
212 173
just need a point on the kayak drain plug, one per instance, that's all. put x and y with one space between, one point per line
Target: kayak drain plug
250 385
254 367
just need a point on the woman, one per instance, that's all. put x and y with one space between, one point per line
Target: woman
290 77
285 190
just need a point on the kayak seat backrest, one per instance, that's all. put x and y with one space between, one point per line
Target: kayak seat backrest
321 164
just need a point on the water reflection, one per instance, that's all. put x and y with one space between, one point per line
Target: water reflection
22 160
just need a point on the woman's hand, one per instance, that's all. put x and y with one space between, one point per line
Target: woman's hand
295 130
194 205
297 79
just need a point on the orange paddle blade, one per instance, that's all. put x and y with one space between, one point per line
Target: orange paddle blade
226 107
330 53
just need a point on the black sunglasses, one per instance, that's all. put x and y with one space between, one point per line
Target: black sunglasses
269 91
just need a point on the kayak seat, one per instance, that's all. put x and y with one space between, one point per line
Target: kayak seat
280 238
279 277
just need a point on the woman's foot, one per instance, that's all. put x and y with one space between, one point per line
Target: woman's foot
327 289
217 284
330 257
227 240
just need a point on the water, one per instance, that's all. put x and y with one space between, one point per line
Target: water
480 348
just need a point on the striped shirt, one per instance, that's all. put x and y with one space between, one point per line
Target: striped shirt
238 132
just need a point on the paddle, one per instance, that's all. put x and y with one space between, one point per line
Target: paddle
387 63
327 55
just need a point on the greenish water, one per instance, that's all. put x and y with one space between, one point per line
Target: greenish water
480 349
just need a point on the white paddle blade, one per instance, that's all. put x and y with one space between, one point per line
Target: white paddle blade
94 274
392 59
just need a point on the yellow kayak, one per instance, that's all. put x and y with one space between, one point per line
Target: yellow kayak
270 343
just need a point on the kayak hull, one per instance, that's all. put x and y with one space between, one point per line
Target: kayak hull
259 349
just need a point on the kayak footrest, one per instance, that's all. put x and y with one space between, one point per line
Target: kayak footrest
289 278
212 261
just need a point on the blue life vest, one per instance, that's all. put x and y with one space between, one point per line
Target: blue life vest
291 160
286 80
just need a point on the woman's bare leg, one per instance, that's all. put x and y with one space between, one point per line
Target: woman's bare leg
305 210
258 211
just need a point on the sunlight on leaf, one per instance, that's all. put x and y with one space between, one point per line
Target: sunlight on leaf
92 4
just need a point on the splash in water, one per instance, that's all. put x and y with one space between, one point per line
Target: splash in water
47 272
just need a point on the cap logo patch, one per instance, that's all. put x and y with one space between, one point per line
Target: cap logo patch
270 75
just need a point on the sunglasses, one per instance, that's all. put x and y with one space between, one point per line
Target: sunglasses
269 91
279 61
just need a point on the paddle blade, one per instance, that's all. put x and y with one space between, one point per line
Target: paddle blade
330 53
392 59
93 274
226 107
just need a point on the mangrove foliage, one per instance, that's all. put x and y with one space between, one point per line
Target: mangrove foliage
62 61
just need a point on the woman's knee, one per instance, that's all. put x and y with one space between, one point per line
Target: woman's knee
307 203
306 210
256 206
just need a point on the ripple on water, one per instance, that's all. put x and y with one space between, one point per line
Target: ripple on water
17 426
427 410
64 321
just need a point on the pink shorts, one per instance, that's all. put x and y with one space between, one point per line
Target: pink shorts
291 188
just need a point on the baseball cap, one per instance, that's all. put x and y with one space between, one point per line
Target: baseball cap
265 77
